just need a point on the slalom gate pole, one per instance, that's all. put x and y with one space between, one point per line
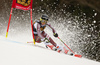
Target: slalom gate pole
76 55
32 26
9 22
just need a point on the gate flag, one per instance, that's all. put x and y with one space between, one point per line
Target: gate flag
22 4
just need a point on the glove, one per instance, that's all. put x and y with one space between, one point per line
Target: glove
55 34
45 40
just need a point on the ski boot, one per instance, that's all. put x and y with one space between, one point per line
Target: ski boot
65 50
70 53
59 48
52 47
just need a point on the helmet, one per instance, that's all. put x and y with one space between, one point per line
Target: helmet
45 17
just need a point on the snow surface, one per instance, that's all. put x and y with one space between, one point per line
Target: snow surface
20 53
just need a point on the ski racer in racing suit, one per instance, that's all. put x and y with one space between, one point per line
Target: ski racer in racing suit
40 35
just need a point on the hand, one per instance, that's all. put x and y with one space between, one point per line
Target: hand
55 34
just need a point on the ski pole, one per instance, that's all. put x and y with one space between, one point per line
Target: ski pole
76 55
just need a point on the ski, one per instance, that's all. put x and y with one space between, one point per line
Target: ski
65 51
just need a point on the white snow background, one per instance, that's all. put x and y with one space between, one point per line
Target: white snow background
21 53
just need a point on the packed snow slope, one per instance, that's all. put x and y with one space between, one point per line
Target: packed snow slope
18 53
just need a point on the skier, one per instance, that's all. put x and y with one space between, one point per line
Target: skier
40 35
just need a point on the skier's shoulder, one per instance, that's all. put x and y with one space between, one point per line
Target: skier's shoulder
37 20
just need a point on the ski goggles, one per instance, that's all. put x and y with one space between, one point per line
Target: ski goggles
43 21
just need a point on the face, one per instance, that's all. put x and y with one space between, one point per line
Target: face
43 22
